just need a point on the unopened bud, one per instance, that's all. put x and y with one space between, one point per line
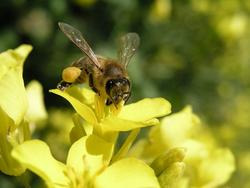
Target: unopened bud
166 159
170 176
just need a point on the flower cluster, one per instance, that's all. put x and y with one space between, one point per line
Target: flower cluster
91 160
207 164
178 152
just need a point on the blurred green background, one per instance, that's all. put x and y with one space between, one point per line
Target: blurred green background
192 52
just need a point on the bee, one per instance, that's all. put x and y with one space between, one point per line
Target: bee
106 77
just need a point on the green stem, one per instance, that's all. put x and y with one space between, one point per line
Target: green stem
126 145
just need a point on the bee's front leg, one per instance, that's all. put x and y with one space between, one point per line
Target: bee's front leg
63 85
108 102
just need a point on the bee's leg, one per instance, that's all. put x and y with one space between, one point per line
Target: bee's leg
91 84
63 85
108 102
82 78
83 66
86 74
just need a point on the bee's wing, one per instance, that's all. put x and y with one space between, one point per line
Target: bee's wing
76 37
128 46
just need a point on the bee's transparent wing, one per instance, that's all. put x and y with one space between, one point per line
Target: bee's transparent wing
128 46
76 37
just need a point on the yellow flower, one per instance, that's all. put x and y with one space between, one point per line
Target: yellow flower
95 120
13 99
107 119
15 102
87 165
13 106
207 164
160 11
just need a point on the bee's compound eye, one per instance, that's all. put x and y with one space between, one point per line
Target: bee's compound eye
125 82
109 85
70 74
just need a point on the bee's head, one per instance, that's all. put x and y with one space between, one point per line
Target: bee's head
117 90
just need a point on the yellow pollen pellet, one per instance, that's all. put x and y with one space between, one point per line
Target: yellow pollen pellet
70 74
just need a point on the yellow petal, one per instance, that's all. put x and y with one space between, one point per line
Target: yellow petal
154 145
8 165
36 110
145 110
98 146
212 166
128 172
217 168
78 130
36 156
164 136
153 121
13 99
85 111
90 153
113 123
138 148
82 94
184 124
197 151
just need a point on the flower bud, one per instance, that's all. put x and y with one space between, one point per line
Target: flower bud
171 175
164 160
